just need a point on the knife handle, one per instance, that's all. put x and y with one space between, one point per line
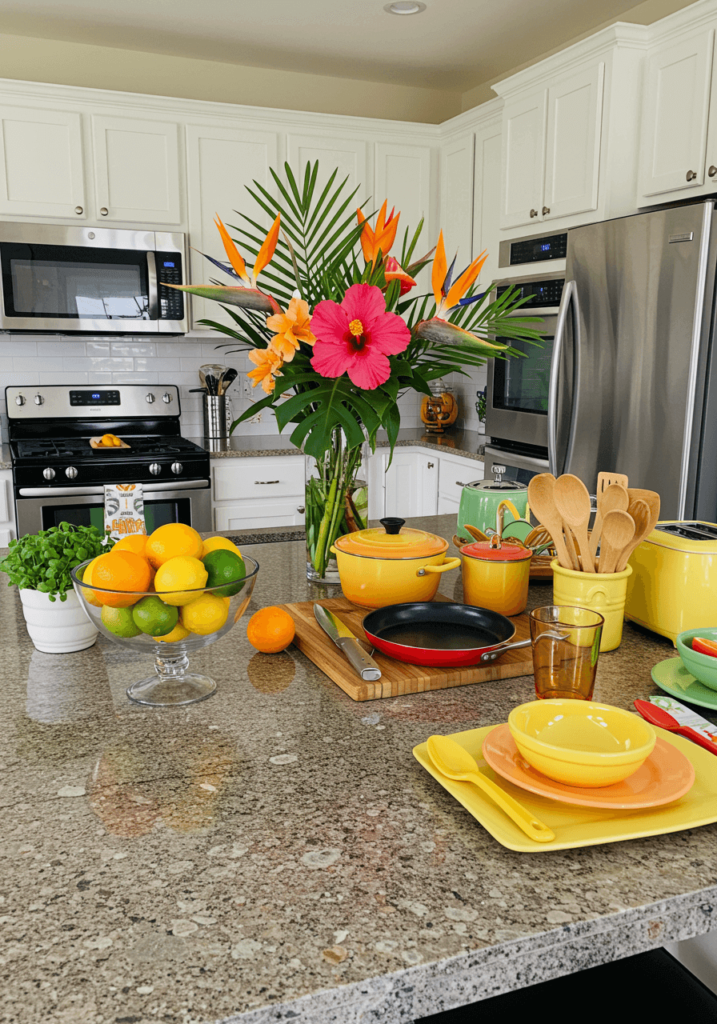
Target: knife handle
362 662
698 738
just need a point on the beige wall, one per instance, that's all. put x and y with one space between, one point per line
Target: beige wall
100 67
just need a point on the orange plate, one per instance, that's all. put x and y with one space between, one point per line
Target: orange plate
665 776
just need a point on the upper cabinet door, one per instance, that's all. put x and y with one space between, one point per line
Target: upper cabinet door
674 116
523 159
136 170
220 163
350 156
572 159
41 163
486 199
403 177
457 197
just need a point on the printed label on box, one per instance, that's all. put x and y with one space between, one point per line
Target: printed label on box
124 510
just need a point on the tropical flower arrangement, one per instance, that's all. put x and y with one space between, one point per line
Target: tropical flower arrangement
336 337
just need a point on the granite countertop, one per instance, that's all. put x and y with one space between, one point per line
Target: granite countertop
466 443
277 853
5 459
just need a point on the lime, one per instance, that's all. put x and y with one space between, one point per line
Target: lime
119 621
206 615
155 617
224 567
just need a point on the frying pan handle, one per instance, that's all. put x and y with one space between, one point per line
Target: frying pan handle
489 656
450 563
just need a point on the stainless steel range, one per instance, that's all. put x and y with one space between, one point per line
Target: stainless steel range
58 477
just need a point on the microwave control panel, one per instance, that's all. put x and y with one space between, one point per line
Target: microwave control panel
169 271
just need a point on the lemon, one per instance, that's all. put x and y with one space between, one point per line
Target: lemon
178 633
180 580
119 621
205 615
218 543
225 567
89 595
171 541
155 617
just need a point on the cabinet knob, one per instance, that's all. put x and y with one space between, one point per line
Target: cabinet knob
104 211
546 210
533 213
691 175
431 465
301 509
712 171
79 211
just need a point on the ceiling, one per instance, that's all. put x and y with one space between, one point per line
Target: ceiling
453 45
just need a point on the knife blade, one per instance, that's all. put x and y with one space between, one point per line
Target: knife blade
347 643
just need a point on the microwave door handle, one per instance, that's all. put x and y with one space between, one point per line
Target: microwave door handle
152 286
565 304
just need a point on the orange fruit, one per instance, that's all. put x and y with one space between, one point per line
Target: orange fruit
124 571
136 542
171 541
270 630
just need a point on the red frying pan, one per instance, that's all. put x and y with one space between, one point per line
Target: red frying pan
440 634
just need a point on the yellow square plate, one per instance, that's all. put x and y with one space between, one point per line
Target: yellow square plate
581 826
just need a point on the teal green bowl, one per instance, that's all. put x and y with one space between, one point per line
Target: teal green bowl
701 666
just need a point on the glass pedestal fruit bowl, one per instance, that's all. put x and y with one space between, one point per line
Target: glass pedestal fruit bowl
168 625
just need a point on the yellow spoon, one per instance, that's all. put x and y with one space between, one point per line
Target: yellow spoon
456 763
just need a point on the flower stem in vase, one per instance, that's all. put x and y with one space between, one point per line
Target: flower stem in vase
330 507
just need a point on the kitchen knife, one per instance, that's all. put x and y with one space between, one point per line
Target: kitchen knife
684 715
347 643
657 715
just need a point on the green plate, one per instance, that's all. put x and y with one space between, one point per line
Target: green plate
672 677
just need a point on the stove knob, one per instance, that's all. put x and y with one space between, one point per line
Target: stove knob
39 399
49 473
177 468
166 398
19 400
155 469
71 472
149 398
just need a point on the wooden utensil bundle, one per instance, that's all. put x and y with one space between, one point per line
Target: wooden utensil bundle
625 516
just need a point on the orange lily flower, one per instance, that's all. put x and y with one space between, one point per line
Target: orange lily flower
393 271
263 257
382 237
446 301
291 329
268 366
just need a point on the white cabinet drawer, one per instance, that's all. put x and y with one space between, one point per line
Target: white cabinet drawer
447 506
268 478
454 474
253 515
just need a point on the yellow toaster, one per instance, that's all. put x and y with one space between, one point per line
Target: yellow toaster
673 585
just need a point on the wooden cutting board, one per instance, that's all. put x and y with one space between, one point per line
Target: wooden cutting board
397 678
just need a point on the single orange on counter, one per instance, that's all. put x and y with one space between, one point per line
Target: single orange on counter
270 630
171 541
124 571
136 542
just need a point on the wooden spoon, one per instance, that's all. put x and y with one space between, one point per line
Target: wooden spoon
542 502
573 503
618 529
641 514
651 498
614 496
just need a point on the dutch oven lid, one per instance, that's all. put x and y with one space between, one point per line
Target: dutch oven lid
493 551
392 541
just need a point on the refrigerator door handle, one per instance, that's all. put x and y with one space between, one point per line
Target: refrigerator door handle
569 301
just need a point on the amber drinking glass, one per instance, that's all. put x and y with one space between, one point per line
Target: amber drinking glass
566 645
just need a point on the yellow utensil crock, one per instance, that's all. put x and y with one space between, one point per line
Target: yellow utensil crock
604 593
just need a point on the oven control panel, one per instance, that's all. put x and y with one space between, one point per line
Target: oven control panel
94 398
536 249
539 294
169 271
56 401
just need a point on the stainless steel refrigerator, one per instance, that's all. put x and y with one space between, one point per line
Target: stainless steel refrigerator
633 382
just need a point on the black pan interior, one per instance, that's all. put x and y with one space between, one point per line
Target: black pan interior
439 625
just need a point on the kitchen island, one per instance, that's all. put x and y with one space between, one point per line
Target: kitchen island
277 853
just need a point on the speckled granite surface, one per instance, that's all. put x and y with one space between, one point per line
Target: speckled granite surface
277 853
467 443
5 461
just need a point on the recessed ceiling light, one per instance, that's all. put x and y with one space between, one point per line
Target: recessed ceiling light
405 7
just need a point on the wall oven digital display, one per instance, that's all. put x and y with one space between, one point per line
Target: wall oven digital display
535 250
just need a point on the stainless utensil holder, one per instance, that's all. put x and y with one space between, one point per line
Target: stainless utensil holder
215 416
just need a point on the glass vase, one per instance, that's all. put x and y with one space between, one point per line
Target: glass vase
336 503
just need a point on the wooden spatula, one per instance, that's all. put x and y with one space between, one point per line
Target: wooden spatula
641 514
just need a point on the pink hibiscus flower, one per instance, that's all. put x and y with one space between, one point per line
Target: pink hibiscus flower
357 336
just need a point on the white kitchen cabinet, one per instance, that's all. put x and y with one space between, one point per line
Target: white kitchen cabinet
676 109
455 473
572 155
7 509
411 484
457 170
486 197
41 170
248 493
221 162
448 506
254 515
403 177
523 163
136 165
349 155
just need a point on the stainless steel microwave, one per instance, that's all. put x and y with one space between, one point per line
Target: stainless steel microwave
73 280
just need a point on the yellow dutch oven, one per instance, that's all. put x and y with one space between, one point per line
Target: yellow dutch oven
392 565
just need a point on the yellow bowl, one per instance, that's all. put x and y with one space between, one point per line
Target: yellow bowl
581 743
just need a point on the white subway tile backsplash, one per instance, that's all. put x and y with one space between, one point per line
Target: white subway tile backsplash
10 345
146 365
91 363
97 348
131 377
61 347
67 377
178 349
39 363
132 347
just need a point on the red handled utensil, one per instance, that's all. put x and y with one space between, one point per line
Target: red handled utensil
664 720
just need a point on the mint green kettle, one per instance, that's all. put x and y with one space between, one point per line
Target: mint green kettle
480 500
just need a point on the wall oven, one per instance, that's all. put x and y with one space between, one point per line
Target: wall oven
97 280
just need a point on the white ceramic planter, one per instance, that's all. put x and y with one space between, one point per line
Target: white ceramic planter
57 627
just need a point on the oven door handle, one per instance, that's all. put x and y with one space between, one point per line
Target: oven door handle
152 287
70 492
569 301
